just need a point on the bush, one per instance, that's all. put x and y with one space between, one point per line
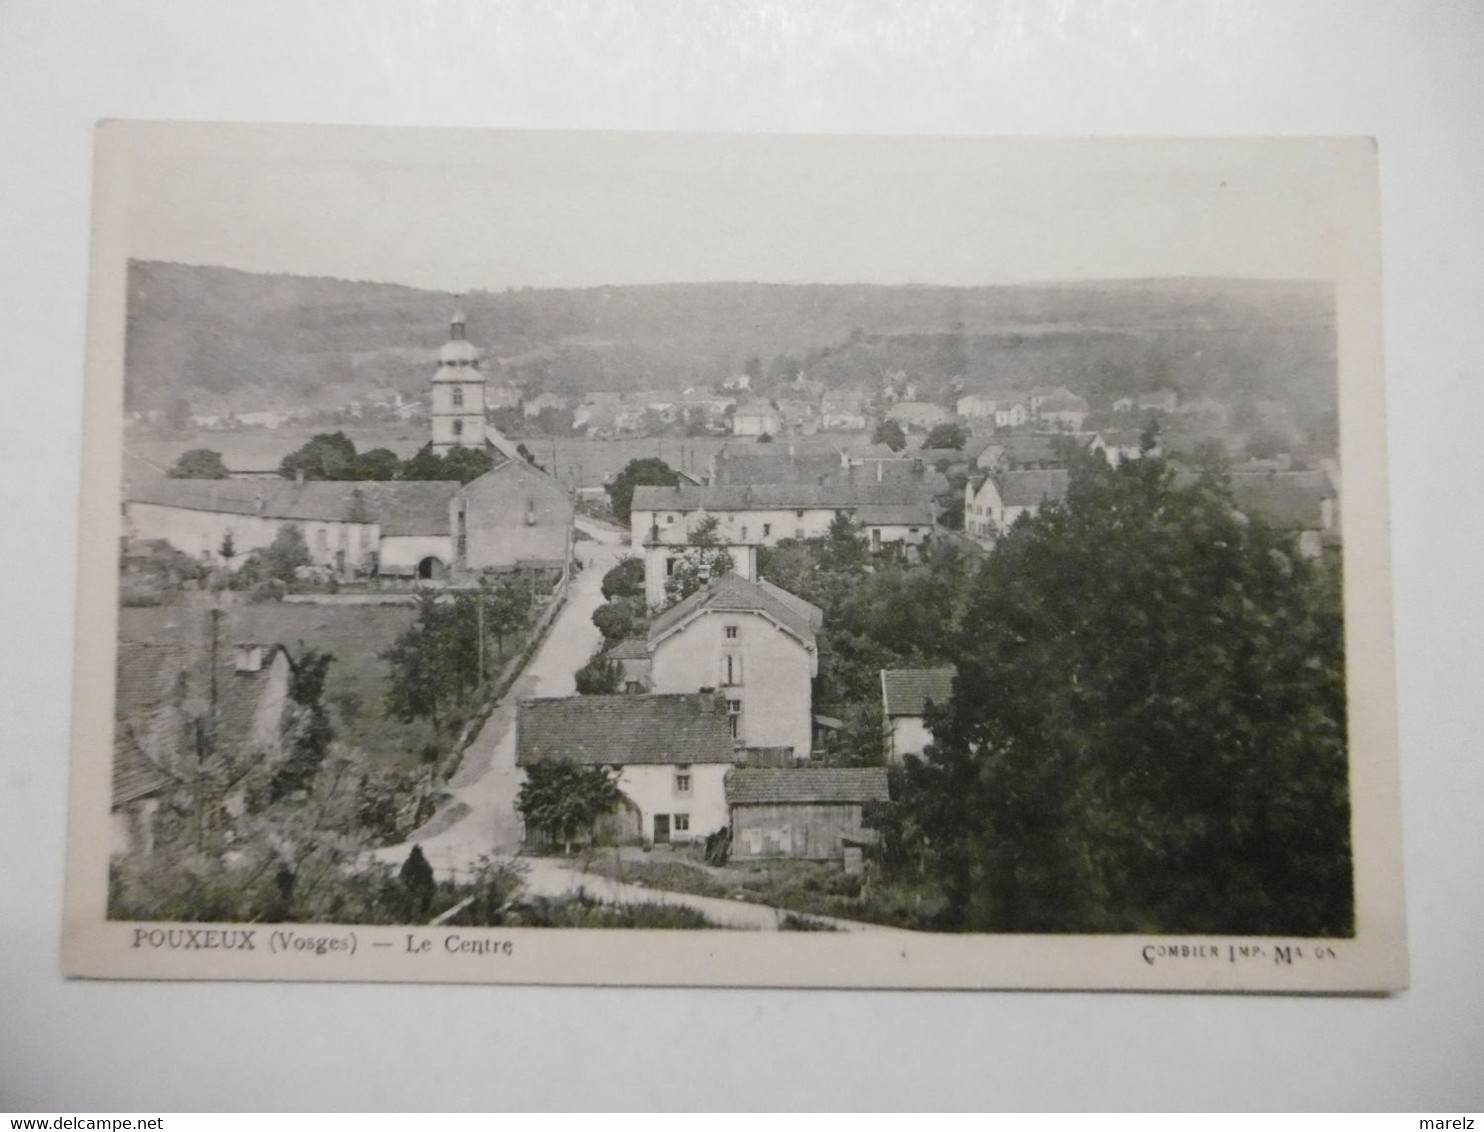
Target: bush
270 590
624 580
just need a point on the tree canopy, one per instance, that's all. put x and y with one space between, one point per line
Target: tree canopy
564 800
1147 731
950 434
650 471
890 434
199 464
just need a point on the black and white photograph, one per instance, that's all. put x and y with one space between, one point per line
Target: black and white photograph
607 558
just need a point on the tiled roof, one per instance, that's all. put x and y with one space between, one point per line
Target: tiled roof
810 785
906 691
624 730
1031 488
134 776
734 594
631 649
1290 501
1028 448
895 515
402 507
839 495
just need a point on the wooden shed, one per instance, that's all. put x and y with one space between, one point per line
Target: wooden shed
808 812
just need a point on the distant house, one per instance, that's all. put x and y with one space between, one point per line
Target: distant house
669 753
976 406
756 418
810 812
536 405
905 694
764 514
1303 504
993 503
756 644
919 416
1063 409
842 410
1124 444
798 416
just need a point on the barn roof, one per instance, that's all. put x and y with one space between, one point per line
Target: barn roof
806 786
840 494
401 507
906 691
732 593
624 730
1032 487
632 648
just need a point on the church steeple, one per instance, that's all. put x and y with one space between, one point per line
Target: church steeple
457 413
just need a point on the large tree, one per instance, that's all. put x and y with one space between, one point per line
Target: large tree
650 471
949 434
890 433
1147 731
324 456
199 464
565 800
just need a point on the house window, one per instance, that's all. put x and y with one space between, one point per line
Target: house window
458 428
734 718
682 781
798 532
682 823
670 567
458 396
731 632
669 519
321 538
731 669
744 534
767 529
365 537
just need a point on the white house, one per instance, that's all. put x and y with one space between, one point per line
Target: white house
755 643
669 755
665 519
756 418
905 694
993 503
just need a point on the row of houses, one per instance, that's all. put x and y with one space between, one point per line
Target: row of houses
713 731
682 781
511 517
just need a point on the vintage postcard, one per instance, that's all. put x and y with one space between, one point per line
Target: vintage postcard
734 560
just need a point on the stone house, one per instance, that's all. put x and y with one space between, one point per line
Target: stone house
905 694
669 755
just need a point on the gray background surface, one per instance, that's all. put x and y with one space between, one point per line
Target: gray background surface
1405 73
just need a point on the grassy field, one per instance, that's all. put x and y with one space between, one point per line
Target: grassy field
355 634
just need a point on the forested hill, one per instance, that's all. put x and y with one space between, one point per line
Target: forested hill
222 338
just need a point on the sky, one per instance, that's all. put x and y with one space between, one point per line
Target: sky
465 210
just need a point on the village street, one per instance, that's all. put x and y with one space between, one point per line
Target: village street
483 791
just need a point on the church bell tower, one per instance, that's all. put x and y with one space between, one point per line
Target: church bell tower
457 413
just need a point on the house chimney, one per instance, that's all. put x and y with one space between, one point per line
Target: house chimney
248 658
708 700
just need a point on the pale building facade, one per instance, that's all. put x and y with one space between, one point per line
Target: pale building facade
756 644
